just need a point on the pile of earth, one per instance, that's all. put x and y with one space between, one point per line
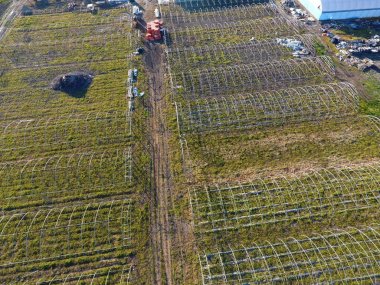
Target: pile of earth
72 82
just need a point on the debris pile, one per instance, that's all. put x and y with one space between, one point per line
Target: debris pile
71 6
298 47
362 64
72 82
288 3
352 24
352 51
300 14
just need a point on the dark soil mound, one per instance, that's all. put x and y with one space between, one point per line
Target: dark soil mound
73 83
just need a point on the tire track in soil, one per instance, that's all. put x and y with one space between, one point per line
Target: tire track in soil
9 15
160 226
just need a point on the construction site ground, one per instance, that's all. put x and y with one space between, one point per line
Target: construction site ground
235 163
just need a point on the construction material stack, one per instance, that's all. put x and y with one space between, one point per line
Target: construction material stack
154 30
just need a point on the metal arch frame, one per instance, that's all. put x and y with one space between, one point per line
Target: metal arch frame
222 198
253 273
202 267
299 70
127 211
14 234
340 261
302 103
43 59
43 228
186 37
318 251
95 222
257 51
327 256
358 177
32 228
55 169
277 257
181 18
292 254
69 226
108 220
375 121
334 177
83 24
303 252
236 265
119 270
128 165
350 253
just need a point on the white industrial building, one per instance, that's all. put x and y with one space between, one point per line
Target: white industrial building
342 9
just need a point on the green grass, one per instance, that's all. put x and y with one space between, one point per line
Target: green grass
224 209
320 49
85 137
347 33
234 33
372 105
228 156
240 156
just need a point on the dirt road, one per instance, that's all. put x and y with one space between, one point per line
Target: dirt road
160 226
10 14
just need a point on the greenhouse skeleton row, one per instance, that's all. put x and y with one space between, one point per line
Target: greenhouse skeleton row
66 129
90 21
227 54
229 207
267 108
339 256
74 230
234 32
61 34
39 54
178 18
65 9
107 275
197 5
262 75
42 102
90 162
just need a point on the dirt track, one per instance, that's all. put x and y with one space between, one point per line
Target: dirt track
160 227
10 14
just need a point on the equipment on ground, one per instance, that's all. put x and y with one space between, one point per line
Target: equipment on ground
157 13
92 8
154 30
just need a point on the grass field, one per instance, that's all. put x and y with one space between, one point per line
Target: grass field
237 155
275 163
372 106
3 6
72 166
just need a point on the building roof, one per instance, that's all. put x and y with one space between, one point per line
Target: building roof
342 9
348 5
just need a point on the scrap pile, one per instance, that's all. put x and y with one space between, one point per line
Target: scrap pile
71 6
352 51
298 47
296 12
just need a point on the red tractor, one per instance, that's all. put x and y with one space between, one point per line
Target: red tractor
154 30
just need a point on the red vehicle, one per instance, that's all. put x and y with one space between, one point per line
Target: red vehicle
154 30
